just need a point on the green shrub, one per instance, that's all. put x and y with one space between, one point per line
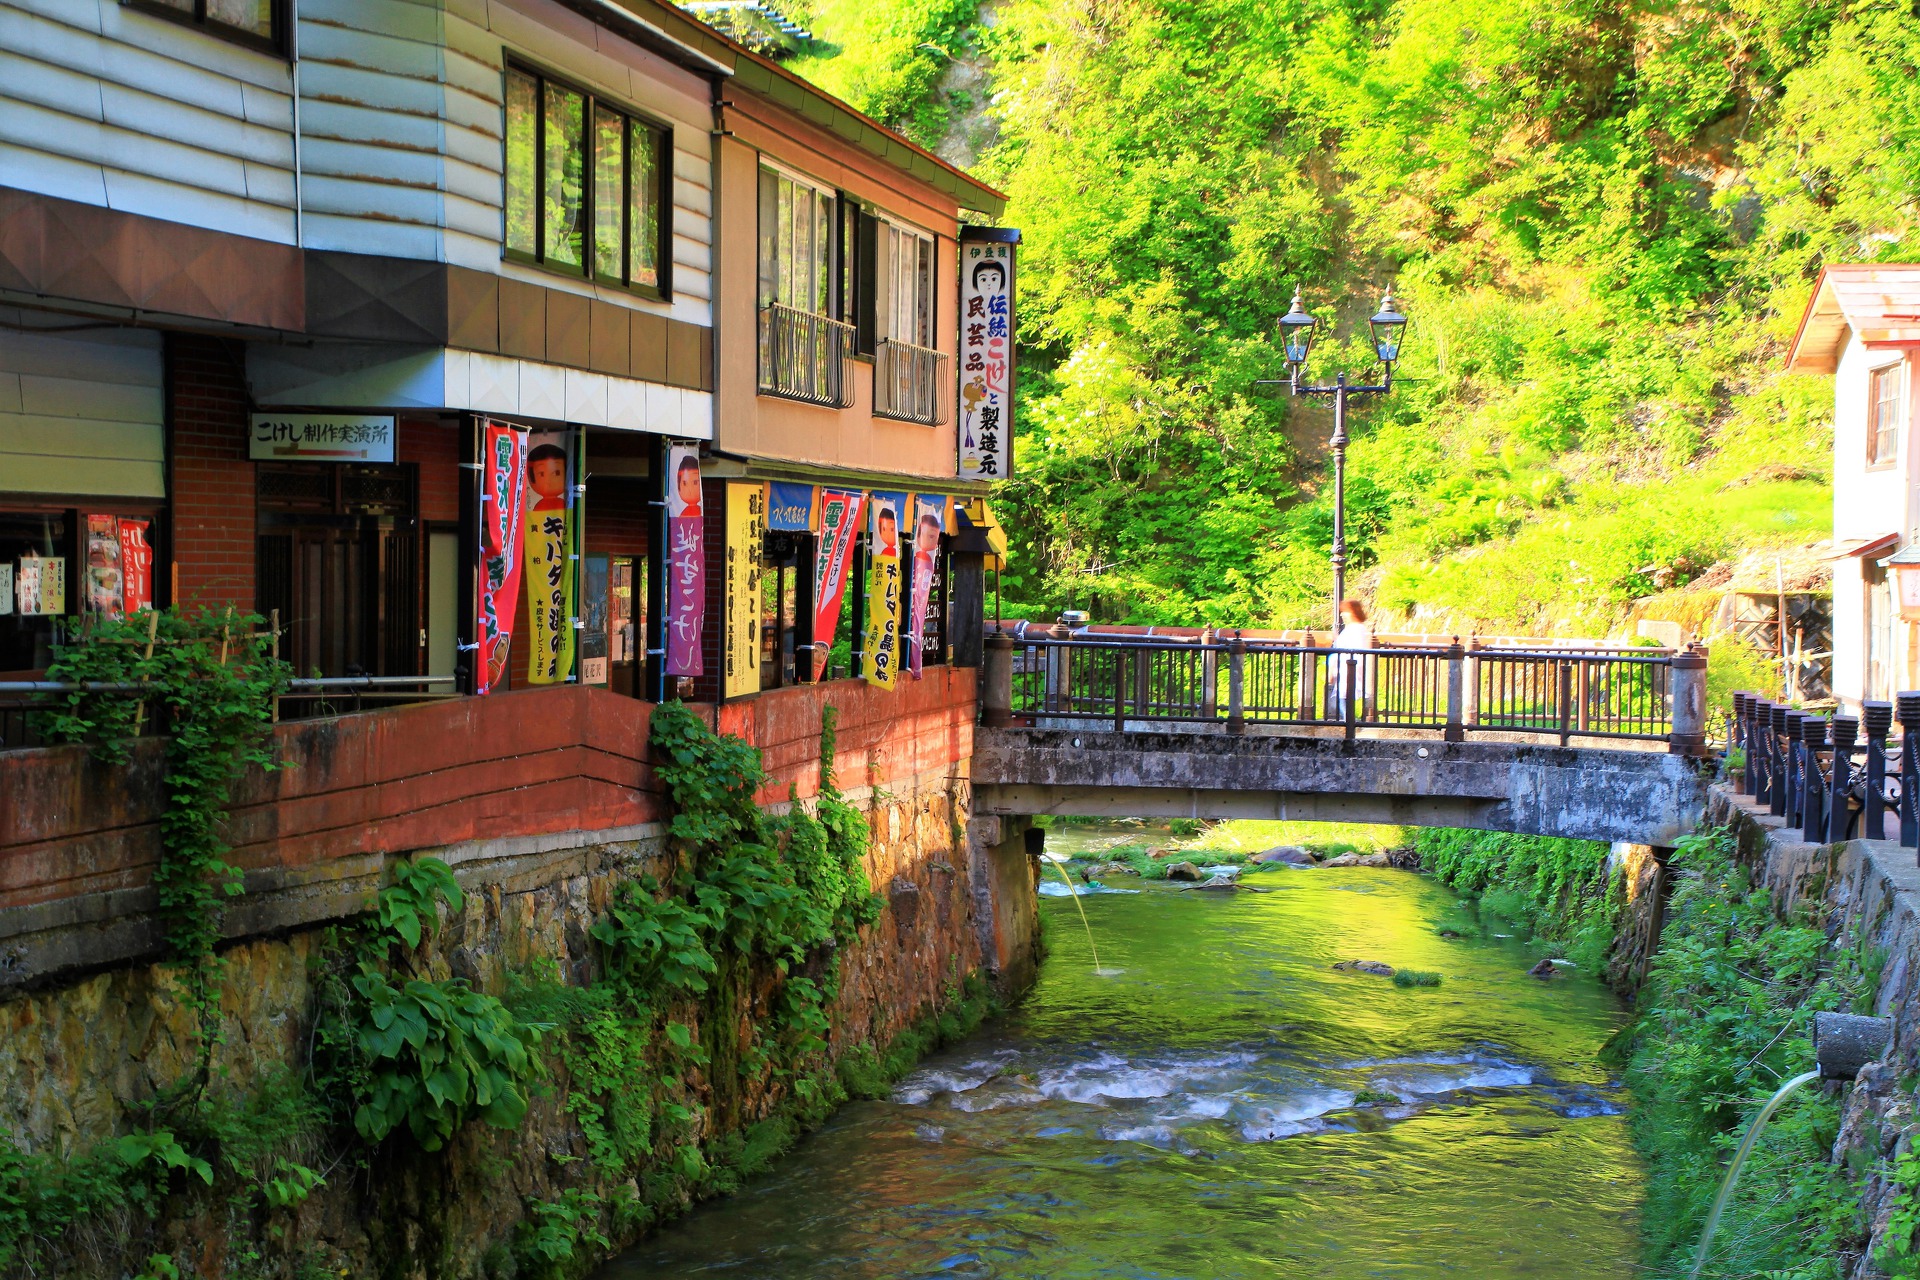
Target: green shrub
1415 978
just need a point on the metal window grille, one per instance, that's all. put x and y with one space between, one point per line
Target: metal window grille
804 356
910 382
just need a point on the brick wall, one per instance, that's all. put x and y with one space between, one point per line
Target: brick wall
212 482
434 447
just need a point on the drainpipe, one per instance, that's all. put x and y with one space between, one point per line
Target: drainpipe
293 54
1843 1043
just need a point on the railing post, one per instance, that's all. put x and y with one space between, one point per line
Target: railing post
1877 719
1813 790
1119 690
1456 691
1563 693
1845 730
1688 735
1349 693
1736 725
1759 757
1777 759
996 682
1473 681
1796 767
1583 692
1237 684
1309 661
1907 707
1209 676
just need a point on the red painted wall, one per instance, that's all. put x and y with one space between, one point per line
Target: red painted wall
211 487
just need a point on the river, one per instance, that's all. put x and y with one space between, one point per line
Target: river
1221 1104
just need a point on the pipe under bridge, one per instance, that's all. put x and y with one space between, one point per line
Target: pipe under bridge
1536 738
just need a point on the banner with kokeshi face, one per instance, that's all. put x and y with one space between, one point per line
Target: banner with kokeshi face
686 563
923 571
839 523
549 556
882 643
136 566
986 353
503 468
746 532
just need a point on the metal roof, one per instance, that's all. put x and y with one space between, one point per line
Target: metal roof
1878 302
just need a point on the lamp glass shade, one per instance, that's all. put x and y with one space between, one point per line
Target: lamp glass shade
1296 333
1387 325
1907 585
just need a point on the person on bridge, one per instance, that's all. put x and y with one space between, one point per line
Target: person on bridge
1352 679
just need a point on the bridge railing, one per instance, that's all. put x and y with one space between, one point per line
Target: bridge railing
1136 682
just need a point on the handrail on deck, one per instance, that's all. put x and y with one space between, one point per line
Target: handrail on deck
804 356
1143 681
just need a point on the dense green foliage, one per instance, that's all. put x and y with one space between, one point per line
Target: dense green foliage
1603 218
1563 889
1723 1022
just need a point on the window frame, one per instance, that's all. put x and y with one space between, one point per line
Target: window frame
926 246
275 43
833 273
1894 372
592 104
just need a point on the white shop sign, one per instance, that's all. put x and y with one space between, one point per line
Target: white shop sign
321 437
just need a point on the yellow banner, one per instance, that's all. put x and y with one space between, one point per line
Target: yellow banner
549 563
746 532
883 622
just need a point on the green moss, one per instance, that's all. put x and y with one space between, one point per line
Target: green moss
1415 978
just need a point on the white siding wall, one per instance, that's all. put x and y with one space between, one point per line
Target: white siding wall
1866 504
400 124
80 413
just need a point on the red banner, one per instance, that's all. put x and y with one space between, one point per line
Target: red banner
503 466
839 522
136 566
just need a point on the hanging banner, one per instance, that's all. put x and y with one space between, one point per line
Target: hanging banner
102 582
986 352
790 507
686 563
6 589
40 585
882 642
550 518
136 566
839 522
746 532
503 470
929 522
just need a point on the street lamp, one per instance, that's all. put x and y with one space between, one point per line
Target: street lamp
1296 341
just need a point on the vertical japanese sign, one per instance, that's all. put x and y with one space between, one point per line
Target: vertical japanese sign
136 566
549 556
503 469
986 353
686 563
40 585
102 582
929 522
839 522
882 643
746 531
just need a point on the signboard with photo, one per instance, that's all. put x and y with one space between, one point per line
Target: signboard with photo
986 352
839 524
882 644
549 556
503 466
686 563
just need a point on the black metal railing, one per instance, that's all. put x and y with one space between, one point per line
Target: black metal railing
910 383
1138 681
805 356
1833 778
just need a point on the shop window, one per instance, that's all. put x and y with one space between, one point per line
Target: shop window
587 185
804 344
788 561
35 551
1884 414
259 23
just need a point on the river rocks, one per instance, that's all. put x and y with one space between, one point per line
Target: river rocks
1185 871
1112 869
1291 855
1546 971
1373 967
1359 860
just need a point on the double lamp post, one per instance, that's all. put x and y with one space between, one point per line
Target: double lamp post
1296 340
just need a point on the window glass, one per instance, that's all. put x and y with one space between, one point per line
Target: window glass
646 161
34 591
609 208
565 204
769 237
252 16
523 132
1883 415
796 244
923 294
783 245
822 253
802 247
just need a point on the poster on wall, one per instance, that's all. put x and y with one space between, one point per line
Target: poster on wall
503 467
839 522
595 601
923 574
986 352
40 585
882 641
136 566
746 534
790 507
6 589
550 519
102 582
686 563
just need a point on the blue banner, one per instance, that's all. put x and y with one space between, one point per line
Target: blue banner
790 507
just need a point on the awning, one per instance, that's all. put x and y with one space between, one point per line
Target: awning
988 538
1844 547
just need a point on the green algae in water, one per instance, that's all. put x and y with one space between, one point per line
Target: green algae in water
1228 1107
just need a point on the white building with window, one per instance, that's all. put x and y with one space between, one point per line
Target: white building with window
1861 327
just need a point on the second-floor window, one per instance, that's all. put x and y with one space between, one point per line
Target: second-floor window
586 185
255 22
1884 415
906 299
798 248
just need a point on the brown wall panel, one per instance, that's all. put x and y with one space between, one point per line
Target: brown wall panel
523 320
609 339
566 328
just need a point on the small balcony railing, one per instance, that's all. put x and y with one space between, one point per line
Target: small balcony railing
910 383
804 356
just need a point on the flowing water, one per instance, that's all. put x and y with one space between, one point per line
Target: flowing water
1221 1104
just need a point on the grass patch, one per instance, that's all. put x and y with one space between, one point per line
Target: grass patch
1375 1098
1248 836
1415 978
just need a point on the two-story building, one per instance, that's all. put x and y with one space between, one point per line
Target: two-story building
275 278
1861 327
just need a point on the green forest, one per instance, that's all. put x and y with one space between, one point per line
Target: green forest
1604 219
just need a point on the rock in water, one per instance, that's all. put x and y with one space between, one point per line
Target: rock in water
1114 869
1360 860
1344 860
1185 871
1220 882
1373 967
1290 854
1546 971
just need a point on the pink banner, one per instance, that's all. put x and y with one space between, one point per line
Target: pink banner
929 522
686 563
503 468
136 566
839 522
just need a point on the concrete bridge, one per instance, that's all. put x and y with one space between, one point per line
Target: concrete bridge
1594 743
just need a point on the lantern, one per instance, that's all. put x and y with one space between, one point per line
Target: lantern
1905 567
1386 325
1296 334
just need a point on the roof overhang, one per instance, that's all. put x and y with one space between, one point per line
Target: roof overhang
1879 303
1862 547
